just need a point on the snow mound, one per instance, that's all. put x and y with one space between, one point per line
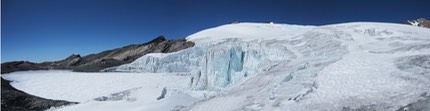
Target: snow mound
250 31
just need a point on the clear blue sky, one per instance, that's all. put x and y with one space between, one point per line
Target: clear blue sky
46 30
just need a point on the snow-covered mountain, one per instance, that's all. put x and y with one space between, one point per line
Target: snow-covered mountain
262 66
258 66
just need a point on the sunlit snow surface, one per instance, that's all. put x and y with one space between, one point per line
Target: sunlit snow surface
259 66
121 91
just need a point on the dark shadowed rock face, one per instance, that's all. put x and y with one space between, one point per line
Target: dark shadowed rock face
20 66
16 100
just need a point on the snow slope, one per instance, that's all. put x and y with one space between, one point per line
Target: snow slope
278 67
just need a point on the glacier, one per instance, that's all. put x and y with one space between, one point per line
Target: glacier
260 66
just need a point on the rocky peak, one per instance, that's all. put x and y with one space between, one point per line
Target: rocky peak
421 22
160 38
74 56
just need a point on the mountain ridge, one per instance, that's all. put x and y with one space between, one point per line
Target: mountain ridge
98 61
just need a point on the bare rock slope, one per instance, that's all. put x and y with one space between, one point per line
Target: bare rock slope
102 60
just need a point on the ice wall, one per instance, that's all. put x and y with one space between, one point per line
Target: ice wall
229 62
215 66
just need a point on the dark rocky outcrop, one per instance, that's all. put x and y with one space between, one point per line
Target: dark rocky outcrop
16 100
20 66
421 22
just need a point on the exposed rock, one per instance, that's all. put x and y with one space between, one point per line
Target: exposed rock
119 56
72 60
421 22
20 66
